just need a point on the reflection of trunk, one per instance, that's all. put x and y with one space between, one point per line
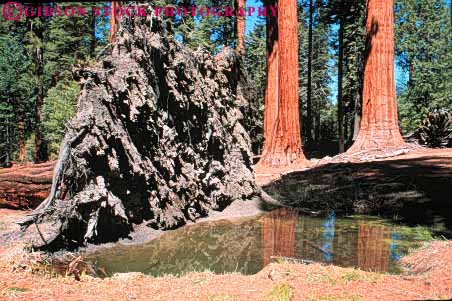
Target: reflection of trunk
308 240
373 248
379 124
282 145
240 28
278 234
340 110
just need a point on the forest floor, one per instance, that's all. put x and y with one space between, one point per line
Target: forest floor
402 188
428 274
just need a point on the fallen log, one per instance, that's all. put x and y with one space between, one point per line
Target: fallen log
25 185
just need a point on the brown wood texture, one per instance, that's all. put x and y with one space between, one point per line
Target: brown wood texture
282 145
114 19
379 124
240 27
25 186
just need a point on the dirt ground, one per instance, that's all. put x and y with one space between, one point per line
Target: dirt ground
428 273
413 188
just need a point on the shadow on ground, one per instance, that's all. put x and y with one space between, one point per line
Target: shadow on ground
415 191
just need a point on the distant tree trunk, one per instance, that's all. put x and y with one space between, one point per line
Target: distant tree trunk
20 133
411 75
317 124
308 122
114 19
379 125
282 145
340 75
240 28
39 153
357 118
92 42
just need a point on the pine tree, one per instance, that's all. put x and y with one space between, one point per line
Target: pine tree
16 97
256 71
424 50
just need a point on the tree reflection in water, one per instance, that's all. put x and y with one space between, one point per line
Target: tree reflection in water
373 247
278 234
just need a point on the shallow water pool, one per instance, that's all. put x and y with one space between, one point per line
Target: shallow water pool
246 245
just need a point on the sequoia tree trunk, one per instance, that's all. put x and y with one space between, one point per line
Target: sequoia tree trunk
282 145
379 123
271 87
240 28
114 19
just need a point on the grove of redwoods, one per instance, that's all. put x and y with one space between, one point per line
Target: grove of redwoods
322 72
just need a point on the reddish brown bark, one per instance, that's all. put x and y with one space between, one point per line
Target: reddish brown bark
373 248
23 186
278 235
271 88
379 124
240 27
114 19
282 146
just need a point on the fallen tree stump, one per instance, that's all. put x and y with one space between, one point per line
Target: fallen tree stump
158 138
25 186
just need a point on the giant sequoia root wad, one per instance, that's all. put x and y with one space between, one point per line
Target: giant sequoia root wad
158 138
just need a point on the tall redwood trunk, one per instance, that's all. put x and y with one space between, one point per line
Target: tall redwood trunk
282 145
114 20
240 27
379 124
271 87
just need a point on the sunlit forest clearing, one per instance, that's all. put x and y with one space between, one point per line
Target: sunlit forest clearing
293 150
